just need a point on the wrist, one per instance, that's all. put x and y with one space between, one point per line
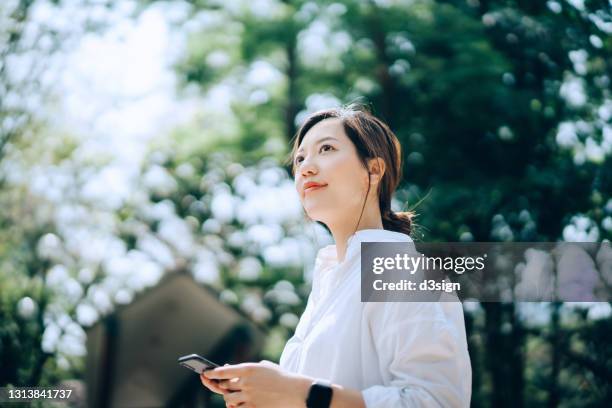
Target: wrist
302 388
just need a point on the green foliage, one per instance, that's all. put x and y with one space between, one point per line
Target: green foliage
274 295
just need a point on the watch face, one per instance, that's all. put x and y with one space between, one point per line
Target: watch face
319 395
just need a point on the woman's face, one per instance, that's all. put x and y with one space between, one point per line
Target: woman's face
327 157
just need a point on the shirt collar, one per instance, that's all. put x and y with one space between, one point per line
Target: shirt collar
327 255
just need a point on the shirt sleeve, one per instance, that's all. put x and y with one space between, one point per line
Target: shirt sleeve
423 353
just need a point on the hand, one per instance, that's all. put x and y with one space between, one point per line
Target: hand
263 384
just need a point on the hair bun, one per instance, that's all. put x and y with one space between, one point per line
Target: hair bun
398 221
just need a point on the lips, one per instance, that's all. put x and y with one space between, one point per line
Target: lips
311 186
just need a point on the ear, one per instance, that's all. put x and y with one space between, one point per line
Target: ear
376 166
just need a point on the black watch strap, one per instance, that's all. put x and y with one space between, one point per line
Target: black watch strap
319 395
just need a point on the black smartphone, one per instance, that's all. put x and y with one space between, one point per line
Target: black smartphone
196 363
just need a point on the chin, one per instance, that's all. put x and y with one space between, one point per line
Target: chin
311 211
315 215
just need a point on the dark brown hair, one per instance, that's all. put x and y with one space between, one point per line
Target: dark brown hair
372 138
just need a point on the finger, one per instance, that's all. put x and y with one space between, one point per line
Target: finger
235 384
228 372
235 398
212 385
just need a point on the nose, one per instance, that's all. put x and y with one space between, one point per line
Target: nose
307 167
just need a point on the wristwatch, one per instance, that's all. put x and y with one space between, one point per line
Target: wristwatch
319 394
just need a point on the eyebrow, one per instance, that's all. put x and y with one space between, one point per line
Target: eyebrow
319 141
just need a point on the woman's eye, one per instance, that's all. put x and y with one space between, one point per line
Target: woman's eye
298 159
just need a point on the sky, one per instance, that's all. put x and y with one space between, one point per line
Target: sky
118 91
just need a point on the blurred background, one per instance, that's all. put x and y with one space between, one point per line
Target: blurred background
146 211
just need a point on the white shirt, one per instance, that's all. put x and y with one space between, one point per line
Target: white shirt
398 354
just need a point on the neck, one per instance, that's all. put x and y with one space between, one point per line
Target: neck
343 231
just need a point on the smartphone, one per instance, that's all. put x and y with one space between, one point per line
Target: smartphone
196 363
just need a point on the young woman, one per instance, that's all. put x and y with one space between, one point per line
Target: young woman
345 353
